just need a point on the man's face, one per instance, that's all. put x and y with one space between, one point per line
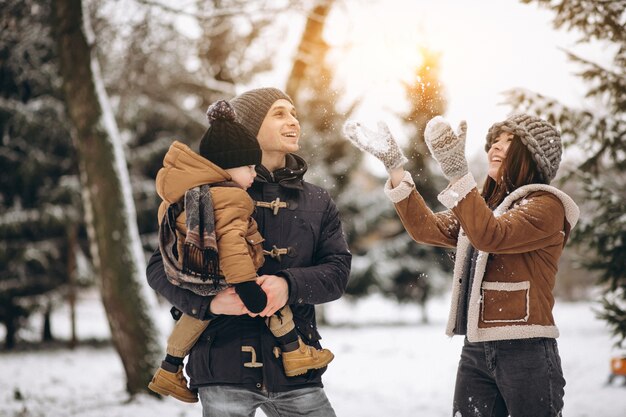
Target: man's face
280 130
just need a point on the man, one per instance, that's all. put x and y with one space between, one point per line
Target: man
235 365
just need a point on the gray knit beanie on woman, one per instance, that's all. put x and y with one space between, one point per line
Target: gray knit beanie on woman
540 137
252 106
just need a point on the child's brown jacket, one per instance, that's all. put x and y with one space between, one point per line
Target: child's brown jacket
238 239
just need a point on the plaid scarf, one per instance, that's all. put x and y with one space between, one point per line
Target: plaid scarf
197 268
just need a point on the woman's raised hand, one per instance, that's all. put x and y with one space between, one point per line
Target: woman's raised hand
447 147
380 144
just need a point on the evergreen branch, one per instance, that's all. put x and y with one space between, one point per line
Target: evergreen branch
615 316
606 79
598 19
50 220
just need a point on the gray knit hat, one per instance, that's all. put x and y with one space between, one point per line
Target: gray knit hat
540 137
252 106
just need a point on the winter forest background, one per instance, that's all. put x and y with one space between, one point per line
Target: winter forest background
92 93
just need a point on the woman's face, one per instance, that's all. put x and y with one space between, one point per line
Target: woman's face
497 153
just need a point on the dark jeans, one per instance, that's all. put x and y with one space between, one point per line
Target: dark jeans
520 378
229 401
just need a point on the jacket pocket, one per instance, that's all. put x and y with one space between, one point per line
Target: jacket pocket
255 248
505 302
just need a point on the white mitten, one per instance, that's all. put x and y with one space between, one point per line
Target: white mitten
447 147
380 144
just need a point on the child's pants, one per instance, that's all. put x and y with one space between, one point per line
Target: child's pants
187 331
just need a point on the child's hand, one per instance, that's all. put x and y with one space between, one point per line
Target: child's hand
277 291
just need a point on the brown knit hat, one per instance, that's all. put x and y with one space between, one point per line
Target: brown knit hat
540 137
252 106
226 143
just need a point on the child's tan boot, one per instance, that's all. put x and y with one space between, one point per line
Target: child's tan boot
305 358
175 384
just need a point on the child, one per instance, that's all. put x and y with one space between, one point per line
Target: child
209 242
508 240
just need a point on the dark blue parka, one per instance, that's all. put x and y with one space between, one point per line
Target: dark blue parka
305 244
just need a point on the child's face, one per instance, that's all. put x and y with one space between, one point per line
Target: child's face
244 176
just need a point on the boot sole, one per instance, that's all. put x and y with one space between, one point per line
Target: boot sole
164 392
304 370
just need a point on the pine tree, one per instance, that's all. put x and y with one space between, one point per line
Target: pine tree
39 187
599 131
422 269
385 258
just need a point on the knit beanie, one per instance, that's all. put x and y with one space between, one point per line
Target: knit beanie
540 137
252 106
226 143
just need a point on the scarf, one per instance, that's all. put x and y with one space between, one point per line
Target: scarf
197 268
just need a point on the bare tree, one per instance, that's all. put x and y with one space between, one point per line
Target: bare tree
109 207
310 84
311 50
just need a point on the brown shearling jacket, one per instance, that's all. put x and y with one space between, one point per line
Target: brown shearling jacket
519 245
238 239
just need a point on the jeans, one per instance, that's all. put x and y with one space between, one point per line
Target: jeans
230 401
520 378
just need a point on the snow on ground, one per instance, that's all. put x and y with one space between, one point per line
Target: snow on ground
386 364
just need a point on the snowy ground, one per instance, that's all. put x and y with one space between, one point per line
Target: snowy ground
386 365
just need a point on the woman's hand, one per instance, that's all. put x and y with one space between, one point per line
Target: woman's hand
380 144
395 176
447 147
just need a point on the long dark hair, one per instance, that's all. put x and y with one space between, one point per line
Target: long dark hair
518 169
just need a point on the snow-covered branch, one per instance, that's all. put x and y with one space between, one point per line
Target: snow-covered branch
221 12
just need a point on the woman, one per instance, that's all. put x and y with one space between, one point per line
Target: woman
508 243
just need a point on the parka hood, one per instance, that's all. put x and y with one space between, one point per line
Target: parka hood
184 169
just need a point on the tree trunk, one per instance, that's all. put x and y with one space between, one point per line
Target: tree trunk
10 337
46 334
110 212
424 309
311 46
71 282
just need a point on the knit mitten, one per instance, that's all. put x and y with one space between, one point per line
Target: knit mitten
447 147
380 144
252 296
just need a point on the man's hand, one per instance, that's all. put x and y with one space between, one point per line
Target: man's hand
228 302
277 290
